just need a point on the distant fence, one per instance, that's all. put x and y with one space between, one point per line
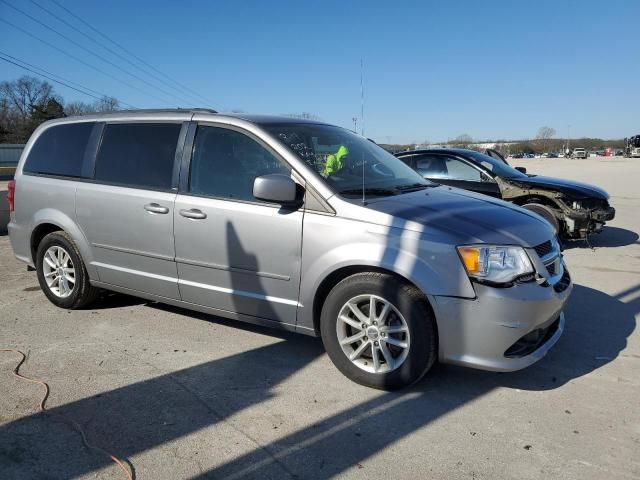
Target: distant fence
9 156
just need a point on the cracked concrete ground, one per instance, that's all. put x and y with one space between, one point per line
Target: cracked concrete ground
184 395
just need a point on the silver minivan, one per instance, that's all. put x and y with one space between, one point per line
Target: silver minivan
288 223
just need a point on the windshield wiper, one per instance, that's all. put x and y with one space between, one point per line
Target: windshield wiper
379 192
413 187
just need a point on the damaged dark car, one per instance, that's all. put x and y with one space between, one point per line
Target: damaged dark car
574 209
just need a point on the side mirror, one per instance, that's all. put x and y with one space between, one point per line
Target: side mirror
521 169
276 188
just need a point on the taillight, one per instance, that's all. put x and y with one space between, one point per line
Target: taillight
11 195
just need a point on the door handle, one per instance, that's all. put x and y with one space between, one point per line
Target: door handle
155 208
193 213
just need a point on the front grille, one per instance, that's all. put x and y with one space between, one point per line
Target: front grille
544 248
532 341
563 283
551 268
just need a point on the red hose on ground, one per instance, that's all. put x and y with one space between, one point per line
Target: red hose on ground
76 425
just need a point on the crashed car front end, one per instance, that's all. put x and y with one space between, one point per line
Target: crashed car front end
580 209
586 216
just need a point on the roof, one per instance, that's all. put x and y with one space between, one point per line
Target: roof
272 119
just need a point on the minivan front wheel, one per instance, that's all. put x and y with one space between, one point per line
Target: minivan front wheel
61 272
379 331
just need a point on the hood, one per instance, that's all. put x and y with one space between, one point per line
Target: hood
466 217
576 190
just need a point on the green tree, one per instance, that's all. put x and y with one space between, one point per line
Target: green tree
48 111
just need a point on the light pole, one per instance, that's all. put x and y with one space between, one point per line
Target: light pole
355 124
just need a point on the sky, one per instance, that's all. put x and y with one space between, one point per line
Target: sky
432 70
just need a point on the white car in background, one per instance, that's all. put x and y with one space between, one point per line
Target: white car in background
579 153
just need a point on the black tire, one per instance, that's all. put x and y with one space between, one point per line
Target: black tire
82 293
409 302
545 212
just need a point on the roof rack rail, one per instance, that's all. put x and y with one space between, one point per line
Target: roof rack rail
172 110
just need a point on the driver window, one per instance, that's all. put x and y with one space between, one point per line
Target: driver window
331 156
225 163
459 170
432 166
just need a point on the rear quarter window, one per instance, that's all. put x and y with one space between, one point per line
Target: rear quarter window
59 150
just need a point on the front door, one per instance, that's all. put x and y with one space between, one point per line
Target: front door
235 253
457 173
127 214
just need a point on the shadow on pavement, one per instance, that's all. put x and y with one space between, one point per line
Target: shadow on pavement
597 329
147 414
110 300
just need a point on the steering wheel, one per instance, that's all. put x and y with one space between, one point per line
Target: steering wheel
382 170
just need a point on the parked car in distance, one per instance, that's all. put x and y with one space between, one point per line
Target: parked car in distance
573 209
579 153
288 223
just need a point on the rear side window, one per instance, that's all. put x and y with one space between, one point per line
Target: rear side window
138 155
59 150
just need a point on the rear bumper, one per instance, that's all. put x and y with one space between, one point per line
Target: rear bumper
20 242
503 329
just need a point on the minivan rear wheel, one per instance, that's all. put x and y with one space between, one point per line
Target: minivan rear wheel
62 274
379 331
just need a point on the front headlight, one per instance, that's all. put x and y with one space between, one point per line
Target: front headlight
495 264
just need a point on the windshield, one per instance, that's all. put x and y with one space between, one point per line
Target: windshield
494 165
341 158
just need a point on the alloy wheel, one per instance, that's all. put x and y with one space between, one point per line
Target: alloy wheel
373 334
59 272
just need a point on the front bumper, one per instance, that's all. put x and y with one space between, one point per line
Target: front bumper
502 329
584 222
